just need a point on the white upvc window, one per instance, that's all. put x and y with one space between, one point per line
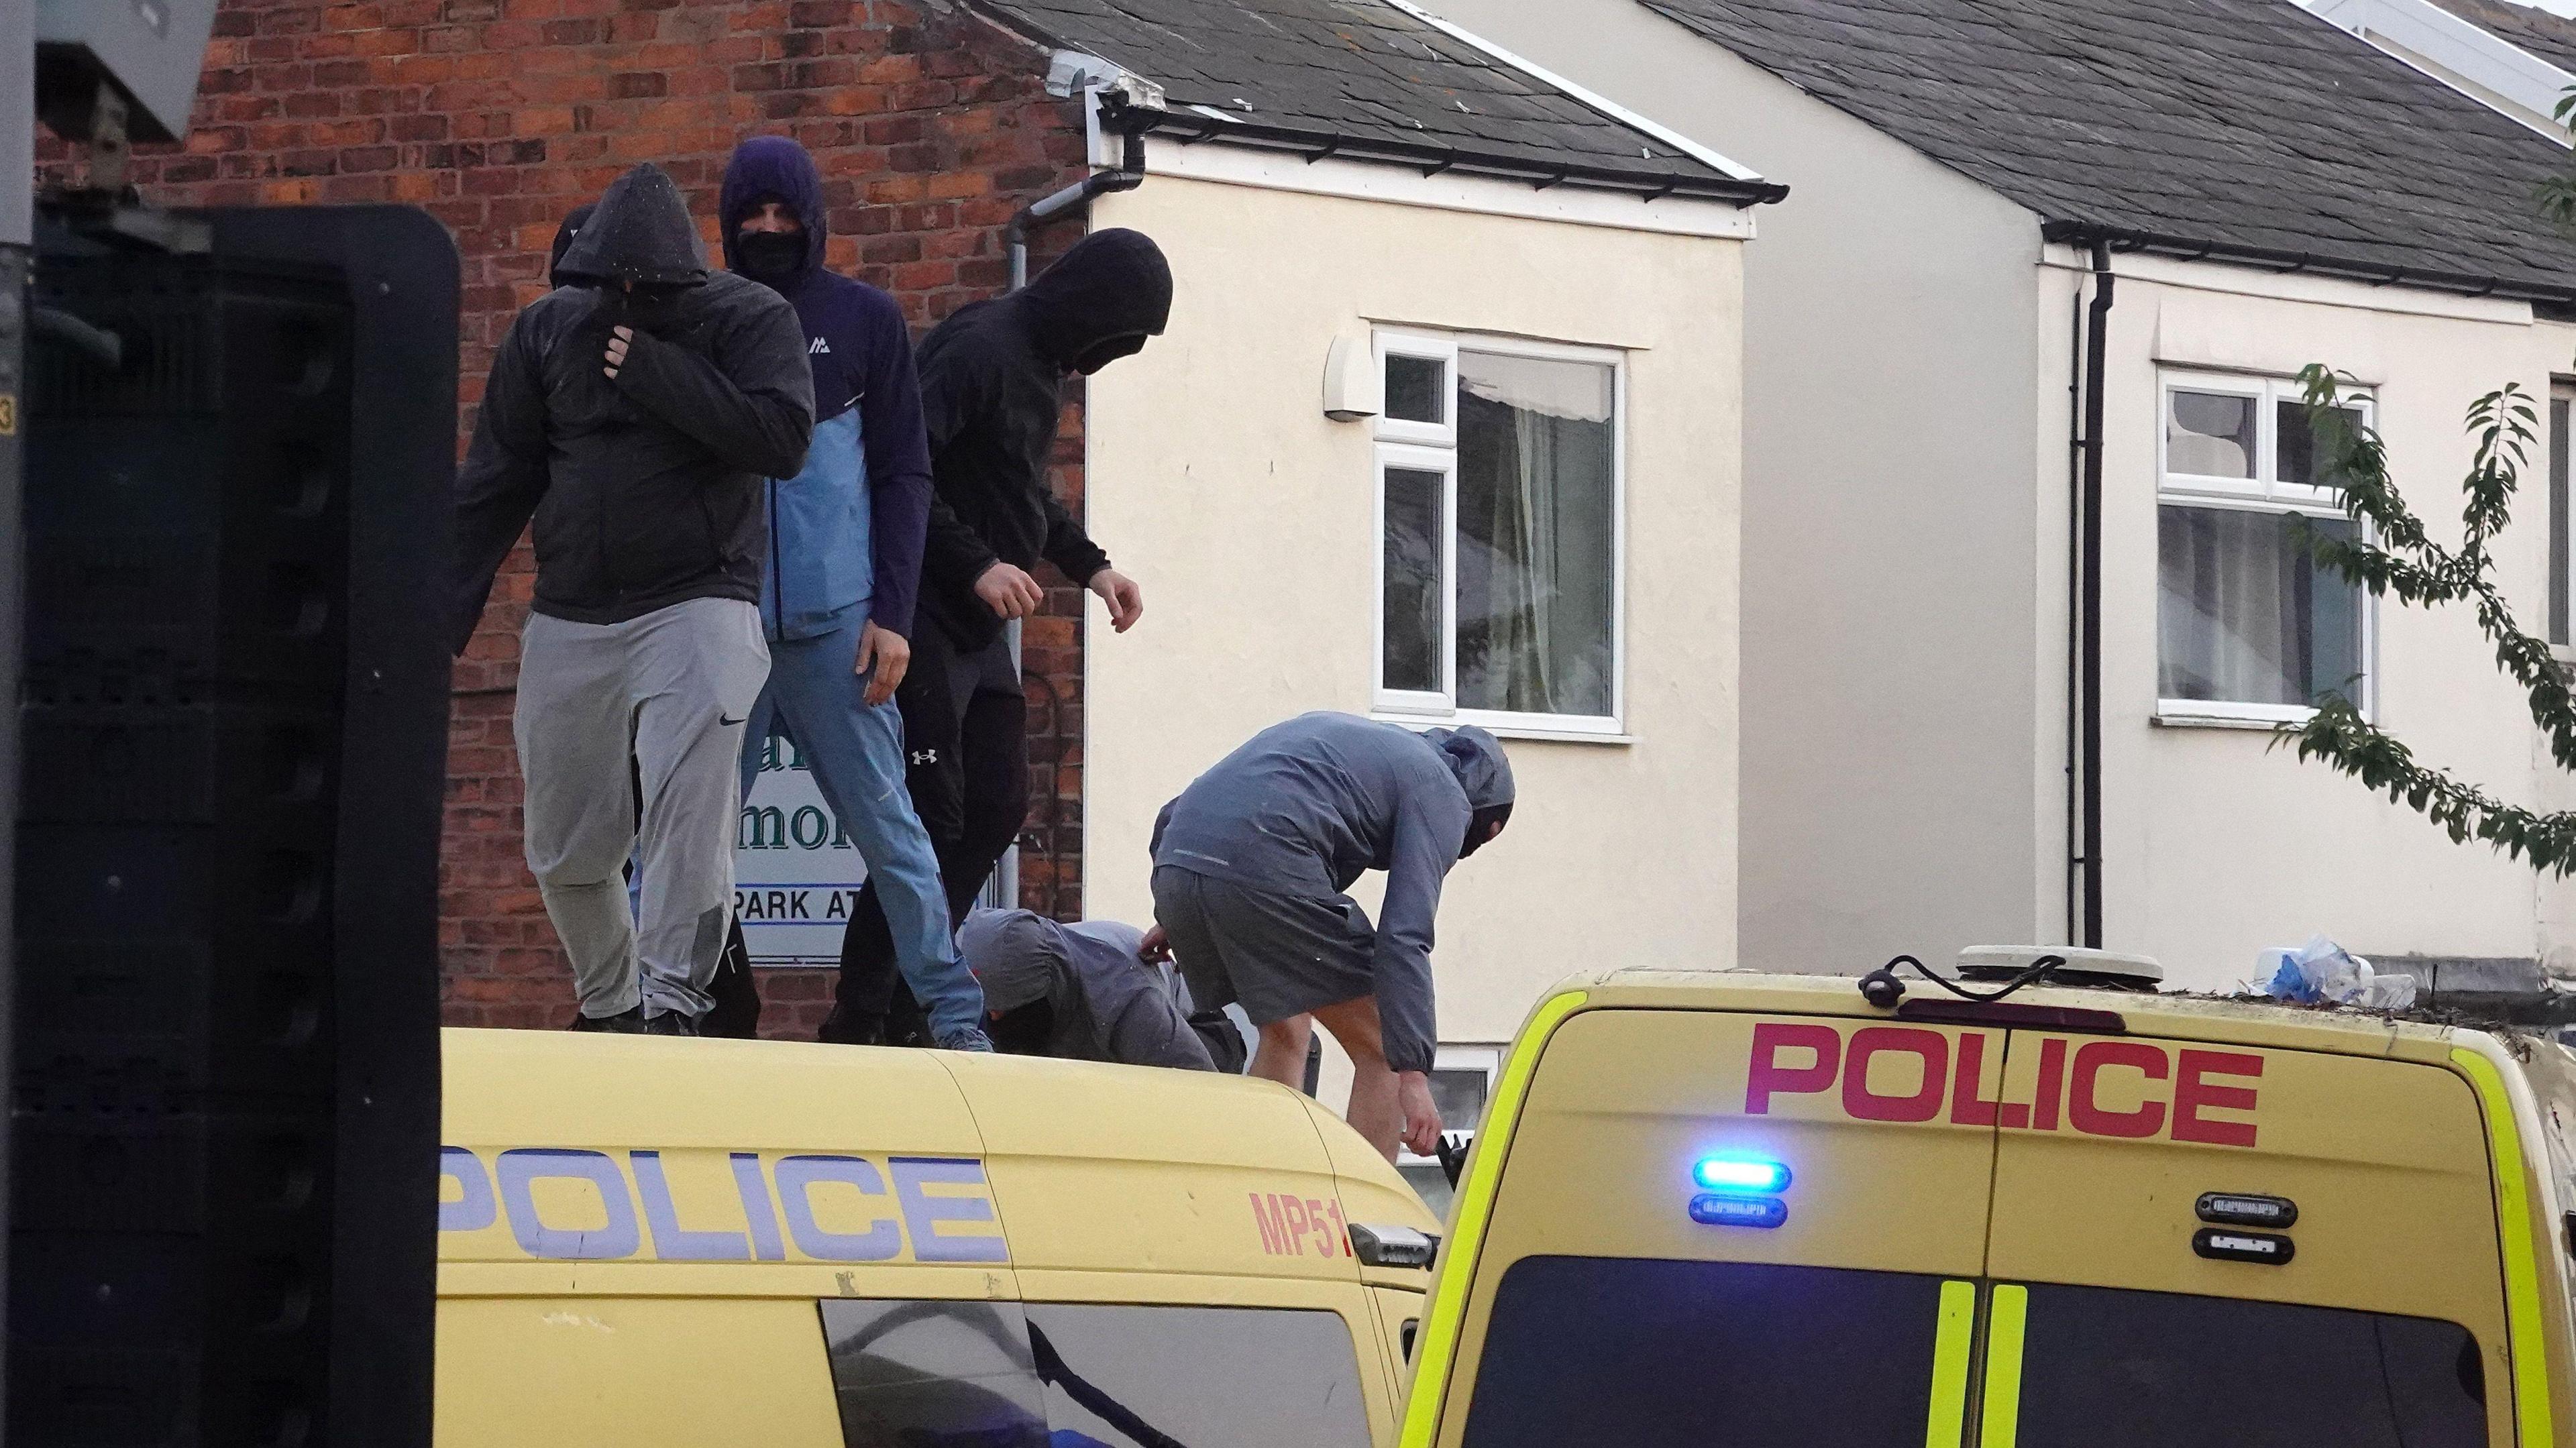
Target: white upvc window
2561 617
1501 522
2248 625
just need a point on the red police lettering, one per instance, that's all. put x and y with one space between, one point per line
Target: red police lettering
1967 1106
2193 1094
1930 1047
2052 1085
2078 1083
1770 1038
2095 1057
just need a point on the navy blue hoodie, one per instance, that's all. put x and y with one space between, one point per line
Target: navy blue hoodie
861 353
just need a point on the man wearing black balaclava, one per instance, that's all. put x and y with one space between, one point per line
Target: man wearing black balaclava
634 413
991 388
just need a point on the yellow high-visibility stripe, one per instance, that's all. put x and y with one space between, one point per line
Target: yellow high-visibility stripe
1475 1205
2004 1320
1951 1343
2521 1257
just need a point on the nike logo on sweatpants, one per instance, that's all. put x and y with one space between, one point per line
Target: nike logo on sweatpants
721 719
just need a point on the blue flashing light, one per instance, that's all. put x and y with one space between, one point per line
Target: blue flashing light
1755 1174
1725 1211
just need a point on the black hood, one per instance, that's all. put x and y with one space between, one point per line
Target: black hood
1113 283
639 232
573 222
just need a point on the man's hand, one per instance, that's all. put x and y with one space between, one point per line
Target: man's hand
618 338
1421 1117
1126 601
1009 591
884 656
1156 948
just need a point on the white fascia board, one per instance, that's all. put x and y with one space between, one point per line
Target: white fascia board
2476 62
1218 160
1598 102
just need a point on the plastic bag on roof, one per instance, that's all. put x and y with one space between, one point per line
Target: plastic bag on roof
2324 972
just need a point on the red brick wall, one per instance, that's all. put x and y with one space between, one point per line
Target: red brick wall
497 117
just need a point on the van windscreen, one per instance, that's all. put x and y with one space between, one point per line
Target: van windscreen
2117 1369
1650 1353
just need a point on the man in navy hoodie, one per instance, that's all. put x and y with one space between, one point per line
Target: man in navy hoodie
844 566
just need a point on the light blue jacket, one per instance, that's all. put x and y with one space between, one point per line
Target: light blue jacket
821 563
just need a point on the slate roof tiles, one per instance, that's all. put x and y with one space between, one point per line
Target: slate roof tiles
1356 72
2241 128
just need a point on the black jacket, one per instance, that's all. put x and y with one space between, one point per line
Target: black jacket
645 489
990 379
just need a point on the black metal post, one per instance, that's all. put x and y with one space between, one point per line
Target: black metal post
17 251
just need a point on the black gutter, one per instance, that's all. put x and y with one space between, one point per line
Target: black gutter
2278 259
2096 346
1316 144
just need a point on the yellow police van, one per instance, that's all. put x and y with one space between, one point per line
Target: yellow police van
1747 1209
652 1242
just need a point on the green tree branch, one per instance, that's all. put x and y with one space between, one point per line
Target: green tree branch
2394 554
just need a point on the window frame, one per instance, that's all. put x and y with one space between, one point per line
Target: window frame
1489 1060
1399 443
2262 493
2558 484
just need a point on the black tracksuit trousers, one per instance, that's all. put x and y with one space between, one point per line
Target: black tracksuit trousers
965 725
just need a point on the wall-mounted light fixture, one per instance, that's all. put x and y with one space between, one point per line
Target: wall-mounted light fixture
1352 389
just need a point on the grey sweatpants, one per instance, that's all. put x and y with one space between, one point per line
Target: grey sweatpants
671 689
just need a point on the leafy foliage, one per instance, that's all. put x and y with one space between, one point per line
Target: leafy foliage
2394 554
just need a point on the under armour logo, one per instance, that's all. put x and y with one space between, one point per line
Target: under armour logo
925 756
819 349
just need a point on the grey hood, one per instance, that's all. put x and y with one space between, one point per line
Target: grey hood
639 232
1476 757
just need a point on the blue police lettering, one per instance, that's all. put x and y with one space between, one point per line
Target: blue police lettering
671 1241
932 1203
799 1175
520 1170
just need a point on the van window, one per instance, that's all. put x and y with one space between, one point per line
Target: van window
998 1375
934 1372
1665 1354
1208 1377
2118 1369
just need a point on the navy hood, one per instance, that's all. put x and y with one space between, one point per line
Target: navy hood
1476 757
765 167
639 232
1113 283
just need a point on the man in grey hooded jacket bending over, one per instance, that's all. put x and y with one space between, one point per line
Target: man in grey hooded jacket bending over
1250 866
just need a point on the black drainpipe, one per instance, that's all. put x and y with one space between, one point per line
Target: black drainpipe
1078 196
2095 346
2073 882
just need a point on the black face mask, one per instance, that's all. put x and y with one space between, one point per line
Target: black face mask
1107 350
772 258
648 309
1482 825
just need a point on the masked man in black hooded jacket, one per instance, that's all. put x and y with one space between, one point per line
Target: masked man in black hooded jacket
991 389
634 412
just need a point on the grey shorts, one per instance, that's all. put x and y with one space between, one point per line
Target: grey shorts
1276 955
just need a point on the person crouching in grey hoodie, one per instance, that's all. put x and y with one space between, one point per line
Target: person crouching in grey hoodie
635 415
1251 863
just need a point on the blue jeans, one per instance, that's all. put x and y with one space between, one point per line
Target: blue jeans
855 749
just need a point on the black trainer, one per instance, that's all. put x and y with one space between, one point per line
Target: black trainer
628 1022
670 1023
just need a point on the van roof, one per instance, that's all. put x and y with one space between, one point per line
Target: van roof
1167 1157
2240 1020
